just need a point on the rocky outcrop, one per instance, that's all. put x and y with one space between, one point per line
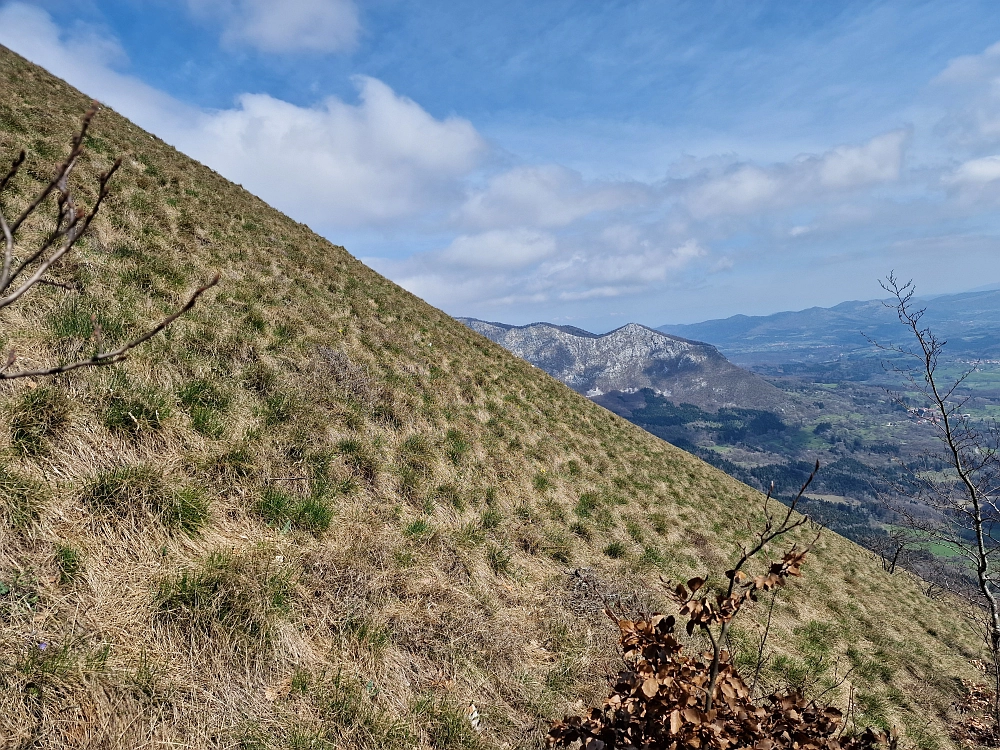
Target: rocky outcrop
631 358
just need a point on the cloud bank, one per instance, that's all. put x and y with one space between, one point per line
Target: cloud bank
285 26
505 238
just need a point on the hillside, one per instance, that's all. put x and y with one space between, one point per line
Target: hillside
320 513
631 358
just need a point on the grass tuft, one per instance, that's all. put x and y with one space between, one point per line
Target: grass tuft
359 458
498 559
447 726
240 595
456 446
69 560
38 416
135 490
134 408
419 528
21 499
237 463
77 319
205 402
352 716
279 408
491 519
616 550
287 511
186 508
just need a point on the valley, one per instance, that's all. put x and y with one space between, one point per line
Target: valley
820 391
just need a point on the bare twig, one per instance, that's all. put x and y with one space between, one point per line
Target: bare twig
763 643
70 224
765 536
111 357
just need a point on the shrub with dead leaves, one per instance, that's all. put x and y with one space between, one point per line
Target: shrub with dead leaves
658 703
671 700
975 725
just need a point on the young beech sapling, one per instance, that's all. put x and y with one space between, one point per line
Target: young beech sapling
668 699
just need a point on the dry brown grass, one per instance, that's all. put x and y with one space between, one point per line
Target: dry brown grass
452 472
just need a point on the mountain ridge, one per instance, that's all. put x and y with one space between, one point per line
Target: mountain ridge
633 357
970 321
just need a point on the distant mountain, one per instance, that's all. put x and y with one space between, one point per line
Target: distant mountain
632 358
969 321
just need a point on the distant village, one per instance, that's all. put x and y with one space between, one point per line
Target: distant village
922 415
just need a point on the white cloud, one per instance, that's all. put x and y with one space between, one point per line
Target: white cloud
284 25
878 160
337 164
971 85
503 268
748 188
340 164
972 69
722 265
544 196
499 249
86 59
976 172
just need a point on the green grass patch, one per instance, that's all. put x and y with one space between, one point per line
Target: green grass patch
353 716
491 519
130 491
21 499
456 446
242 596
288 511
418 529
498 559
616 550
38 415
279 408
447 726
134 408
78 319
205 402
69 560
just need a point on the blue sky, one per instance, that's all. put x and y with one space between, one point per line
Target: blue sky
580 162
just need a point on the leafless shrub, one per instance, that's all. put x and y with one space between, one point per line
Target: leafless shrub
24 269
893 549
352 379
958 509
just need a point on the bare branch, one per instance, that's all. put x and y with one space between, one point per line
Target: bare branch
69 225
62 171
71 233
966 506
111 357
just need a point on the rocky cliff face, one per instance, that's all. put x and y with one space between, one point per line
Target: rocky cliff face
631 358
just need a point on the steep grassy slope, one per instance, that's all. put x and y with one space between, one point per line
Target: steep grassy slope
319 512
